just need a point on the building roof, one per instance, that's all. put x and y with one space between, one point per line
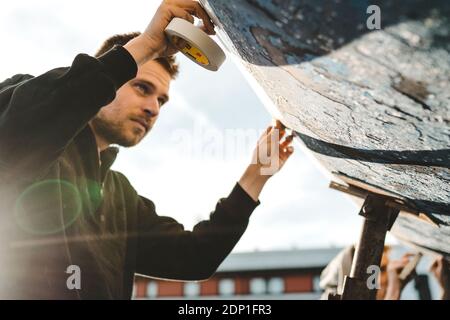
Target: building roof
276 260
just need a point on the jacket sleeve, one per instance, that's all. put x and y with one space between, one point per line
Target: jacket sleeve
166 250
39 116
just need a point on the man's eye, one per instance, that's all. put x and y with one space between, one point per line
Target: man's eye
161 102
142 88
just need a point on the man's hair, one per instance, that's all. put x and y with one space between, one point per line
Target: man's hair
168 63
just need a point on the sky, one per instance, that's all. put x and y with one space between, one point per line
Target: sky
204 137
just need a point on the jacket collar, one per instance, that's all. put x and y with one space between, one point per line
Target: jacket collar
88 146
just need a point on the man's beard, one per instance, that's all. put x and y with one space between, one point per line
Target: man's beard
113 133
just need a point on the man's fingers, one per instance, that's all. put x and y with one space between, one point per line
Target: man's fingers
288 150
272 130
434 265
281 133
277 129
285 148
181 13
274 135
286 153
204 29
287 141
281 129
201 13
194 8
279 125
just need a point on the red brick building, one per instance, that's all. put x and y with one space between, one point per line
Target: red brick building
292 274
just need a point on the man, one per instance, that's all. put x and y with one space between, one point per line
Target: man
71 228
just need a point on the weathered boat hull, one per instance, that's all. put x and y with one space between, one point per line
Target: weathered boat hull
373 105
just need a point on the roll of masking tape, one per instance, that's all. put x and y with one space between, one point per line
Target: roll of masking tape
197 45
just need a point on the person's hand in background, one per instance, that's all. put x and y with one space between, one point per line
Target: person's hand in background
441 270
395 285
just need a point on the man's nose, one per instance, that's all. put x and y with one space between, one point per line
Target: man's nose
152 108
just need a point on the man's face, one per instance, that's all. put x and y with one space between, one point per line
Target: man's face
132 114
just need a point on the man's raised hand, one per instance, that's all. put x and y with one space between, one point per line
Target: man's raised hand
153 43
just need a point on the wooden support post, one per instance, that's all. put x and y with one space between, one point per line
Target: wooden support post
378 219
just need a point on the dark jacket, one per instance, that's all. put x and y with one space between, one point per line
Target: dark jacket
59 207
